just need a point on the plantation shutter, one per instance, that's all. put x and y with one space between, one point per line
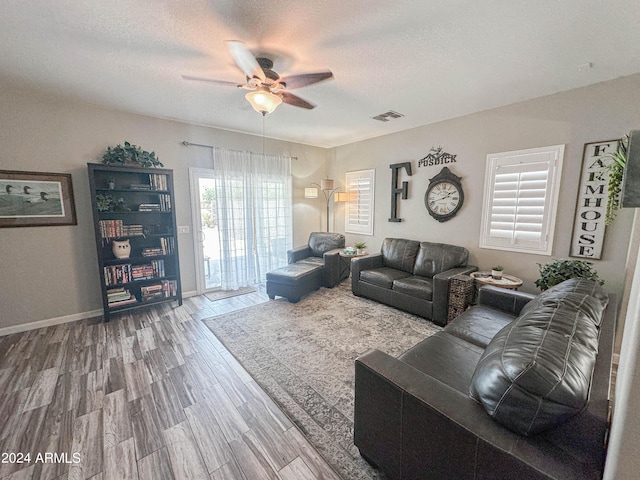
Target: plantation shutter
360 187
521 193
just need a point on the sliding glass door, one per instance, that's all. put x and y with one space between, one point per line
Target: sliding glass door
242 221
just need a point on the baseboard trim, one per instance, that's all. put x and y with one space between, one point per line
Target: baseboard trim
49 322
24 327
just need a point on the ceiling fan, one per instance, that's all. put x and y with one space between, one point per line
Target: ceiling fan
268 89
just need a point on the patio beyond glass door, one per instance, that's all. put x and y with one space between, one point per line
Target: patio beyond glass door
205 224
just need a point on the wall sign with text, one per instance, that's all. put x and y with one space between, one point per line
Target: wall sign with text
437 156
589 224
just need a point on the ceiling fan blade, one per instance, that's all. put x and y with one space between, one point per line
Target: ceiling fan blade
245 60
210 80
303 79
296 101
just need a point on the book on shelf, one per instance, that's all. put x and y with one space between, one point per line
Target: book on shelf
140 186
120 296
114 274
149 207
158 181
164 289
148 271
115 228
168 245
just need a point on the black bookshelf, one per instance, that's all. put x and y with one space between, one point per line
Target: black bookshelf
140 209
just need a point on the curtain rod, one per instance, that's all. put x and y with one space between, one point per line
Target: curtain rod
189 144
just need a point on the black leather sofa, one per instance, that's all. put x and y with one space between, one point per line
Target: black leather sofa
517 387
410 275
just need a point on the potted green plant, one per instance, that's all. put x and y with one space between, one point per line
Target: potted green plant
560 270
496 272
130 154
616 172
104 203
111 183
360 246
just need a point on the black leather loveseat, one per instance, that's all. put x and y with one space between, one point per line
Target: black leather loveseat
515 388
411 275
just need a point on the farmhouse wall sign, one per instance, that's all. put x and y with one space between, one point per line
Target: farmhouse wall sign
589 223
436 156
404 190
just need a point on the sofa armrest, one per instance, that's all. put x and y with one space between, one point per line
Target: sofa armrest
441 292
333 272
509 301
366 262
298 253
411 425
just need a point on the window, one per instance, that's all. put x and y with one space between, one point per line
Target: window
360 194
520 200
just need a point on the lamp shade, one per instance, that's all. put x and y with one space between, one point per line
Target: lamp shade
311 192
263 101
326 184
340 197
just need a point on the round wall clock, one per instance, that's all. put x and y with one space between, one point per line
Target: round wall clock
444 195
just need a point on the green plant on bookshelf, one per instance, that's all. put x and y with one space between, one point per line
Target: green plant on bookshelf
120 206
104 202
130 154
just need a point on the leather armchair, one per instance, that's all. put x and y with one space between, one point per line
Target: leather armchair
322 250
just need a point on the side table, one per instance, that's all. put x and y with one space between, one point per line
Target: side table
345 263
507 281
462 291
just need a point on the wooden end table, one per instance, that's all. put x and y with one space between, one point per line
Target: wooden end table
507 281
345 263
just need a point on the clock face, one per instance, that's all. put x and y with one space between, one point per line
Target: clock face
443 200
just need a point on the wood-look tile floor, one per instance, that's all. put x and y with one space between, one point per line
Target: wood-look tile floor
152 394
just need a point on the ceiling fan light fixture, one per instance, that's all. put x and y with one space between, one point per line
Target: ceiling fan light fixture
263 101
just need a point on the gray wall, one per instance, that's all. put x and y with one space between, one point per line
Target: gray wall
601 112
52 272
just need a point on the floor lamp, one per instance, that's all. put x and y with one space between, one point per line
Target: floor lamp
328 190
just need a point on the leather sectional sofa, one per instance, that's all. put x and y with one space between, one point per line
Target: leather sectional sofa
411 275
517 387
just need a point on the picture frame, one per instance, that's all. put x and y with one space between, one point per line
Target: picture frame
36 199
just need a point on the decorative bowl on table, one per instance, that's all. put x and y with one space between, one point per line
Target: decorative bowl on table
349 251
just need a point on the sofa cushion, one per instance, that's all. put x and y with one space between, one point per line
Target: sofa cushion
317 261
321 242
400 253
536 372
382 277
415 286
446 358
434 258
580 293
479 324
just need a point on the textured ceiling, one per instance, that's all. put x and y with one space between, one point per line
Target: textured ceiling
429 60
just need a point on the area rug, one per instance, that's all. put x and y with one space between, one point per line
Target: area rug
303 356
220 294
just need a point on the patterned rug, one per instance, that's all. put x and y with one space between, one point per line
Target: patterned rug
303 356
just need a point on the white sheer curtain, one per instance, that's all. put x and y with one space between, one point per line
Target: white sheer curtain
253 213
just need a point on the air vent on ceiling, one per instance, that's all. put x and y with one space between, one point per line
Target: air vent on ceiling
385 117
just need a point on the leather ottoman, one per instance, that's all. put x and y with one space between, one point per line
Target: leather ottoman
294 281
